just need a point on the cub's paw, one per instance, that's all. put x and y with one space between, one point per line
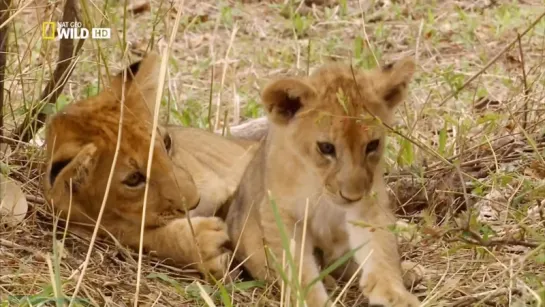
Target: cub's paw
387 292
206 208
413 273
83 164
212 239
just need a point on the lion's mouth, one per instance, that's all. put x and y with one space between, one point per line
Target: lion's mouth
172 214
336 198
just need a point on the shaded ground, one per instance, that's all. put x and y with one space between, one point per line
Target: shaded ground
489 133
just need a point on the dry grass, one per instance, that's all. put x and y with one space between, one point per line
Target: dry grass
470 183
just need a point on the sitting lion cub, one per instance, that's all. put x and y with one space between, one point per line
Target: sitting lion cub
190 167
324 147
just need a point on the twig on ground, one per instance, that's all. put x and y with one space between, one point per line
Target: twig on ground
35 199
476 239
11 244
482 297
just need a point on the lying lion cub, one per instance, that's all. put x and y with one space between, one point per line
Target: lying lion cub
190 167
324 147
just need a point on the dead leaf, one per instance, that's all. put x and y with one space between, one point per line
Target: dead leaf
13 204
193 19
535 170
512 59
139 7
428 35
485 103
431 231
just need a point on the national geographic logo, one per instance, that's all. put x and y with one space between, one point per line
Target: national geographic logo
72 30
49 30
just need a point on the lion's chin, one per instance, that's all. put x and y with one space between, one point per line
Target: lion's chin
335 199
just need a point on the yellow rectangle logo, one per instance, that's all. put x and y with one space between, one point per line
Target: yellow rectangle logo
52 27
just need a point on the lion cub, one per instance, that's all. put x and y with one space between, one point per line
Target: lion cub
324 147
190 167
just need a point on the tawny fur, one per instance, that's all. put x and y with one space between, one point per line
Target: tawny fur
254 129
190 167
343 186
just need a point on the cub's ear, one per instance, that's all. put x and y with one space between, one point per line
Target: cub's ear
392 80
142 92
117 82
285 97
71 161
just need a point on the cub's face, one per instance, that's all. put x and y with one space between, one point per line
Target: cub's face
82 144
333 121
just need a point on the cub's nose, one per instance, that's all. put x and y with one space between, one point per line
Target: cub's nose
194 204
181 205
351 197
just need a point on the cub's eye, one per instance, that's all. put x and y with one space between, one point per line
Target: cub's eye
326 148
134 179
372 146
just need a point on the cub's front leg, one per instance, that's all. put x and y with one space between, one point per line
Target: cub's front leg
176 241
381 280
317 294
